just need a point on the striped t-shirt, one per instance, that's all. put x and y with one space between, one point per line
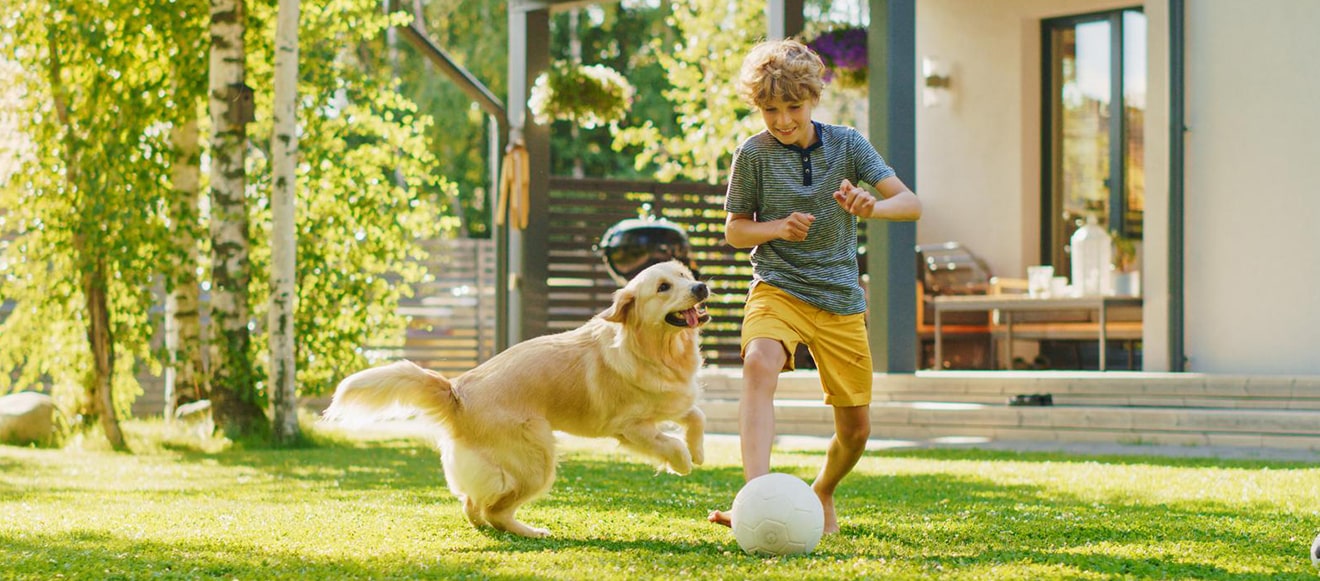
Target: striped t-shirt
771 180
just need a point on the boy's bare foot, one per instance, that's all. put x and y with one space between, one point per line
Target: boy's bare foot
831 521
721 517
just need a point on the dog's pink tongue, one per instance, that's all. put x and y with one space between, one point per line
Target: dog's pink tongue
691 316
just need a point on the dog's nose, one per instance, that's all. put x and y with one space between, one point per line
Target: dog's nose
701 291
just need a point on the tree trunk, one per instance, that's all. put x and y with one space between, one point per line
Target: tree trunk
185 375
101 385
234 397
284 159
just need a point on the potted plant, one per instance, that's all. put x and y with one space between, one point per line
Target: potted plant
1127 268
843 49
588 95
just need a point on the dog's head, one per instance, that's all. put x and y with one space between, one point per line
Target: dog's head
665 294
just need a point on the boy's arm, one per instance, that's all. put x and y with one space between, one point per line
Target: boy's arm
743 231
897 203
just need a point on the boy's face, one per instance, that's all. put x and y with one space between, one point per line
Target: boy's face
789 122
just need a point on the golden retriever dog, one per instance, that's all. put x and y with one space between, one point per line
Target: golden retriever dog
620 375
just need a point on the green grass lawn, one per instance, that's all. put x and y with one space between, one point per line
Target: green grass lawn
378 508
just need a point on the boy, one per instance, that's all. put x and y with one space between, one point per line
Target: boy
791 197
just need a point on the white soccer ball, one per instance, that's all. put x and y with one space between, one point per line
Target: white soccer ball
777 514
1315 551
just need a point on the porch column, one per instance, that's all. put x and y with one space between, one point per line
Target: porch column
783 18
523 255
891 259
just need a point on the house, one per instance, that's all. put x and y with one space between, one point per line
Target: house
1225 128
1205 157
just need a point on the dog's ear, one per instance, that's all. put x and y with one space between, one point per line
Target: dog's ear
624 299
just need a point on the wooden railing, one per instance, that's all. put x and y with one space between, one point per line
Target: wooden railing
581 210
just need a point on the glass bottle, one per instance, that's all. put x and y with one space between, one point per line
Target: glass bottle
1091 252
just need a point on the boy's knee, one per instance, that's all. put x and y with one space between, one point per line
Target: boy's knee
853 436
764 358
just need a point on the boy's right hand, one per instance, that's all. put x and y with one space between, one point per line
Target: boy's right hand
794 228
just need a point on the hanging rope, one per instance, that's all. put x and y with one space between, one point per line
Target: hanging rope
515 197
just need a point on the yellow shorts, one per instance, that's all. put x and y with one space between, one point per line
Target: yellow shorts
838 343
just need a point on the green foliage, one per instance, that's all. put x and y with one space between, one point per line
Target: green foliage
90 193
350 508
96 188
618 36
365 191
701 66
475 34
586 95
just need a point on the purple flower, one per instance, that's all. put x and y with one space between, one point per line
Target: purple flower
842 49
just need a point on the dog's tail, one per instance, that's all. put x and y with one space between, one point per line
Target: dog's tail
379 390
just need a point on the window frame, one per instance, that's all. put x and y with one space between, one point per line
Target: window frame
1052 243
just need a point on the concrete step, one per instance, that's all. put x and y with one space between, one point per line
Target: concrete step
1067 388
1274 429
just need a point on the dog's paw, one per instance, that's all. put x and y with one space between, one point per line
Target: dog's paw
535 533
520 529
698 454
681 467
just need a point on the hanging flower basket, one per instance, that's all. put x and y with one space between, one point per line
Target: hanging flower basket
588 95
844 53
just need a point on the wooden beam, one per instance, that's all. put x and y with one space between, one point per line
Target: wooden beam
783 18
465 80
524 254
891 262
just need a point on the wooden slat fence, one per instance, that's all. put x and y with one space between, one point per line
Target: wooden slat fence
451 325
581 210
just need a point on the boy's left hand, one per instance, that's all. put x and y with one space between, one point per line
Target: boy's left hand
855 200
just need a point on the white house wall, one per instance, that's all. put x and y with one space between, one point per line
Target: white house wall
1252 191
1252 186
978 158
978 171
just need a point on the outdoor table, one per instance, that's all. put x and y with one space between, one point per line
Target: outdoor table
1009 304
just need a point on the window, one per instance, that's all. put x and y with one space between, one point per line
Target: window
1093 128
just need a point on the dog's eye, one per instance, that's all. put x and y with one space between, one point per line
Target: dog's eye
664 287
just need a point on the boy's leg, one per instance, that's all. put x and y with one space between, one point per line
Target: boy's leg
843 357
756 410
762 362
852 428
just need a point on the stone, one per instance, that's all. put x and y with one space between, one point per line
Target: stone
27 417
195 418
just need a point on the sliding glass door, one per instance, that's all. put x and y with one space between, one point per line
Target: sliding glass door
1094 125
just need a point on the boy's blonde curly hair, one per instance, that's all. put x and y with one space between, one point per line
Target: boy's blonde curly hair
781 69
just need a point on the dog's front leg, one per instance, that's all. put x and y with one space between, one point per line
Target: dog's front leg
694 430
649 440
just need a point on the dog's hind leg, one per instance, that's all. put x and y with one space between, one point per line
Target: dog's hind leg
529 472
471 477
493 479
473 512
649 440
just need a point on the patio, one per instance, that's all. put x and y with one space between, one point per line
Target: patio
1223 414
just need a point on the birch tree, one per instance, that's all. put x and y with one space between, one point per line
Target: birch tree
185 370
235 395
101 193
284 158
370 189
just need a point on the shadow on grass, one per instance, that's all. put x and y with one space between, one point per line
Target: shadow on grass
398 464
925 523
81 555
953 522
941 521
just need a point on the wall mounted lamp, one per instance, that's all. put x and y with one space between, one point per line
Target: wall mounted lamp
935 75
